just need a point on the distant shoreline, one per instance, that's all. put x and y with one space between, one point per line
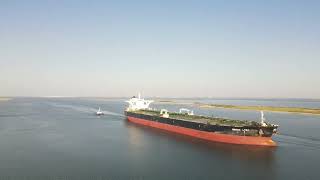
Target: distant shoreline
5 99
173 102
296 110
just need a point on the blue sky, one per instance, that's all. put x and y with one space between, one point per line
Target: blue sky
254 48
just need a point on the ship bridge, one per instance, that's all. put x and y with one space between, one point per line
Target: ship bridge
138 103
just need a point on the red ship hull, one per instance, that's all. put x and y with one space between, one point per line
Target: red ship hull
210 136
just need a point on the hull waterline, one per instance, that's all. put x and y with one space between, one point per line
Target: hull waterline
210 136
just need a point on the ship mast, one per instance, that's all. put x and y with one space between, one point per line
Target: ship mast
263 119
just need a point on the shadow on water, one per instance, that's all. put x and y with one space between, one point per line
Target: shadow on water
258 154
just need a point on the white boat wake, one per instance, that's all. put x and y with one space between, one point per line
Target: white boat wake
85 109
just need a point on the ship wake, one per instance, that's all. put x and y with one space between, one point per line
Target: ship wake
292 140
84 109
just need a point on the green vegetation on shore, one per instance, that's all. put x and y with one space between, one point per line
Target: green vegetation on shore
298 110
265 108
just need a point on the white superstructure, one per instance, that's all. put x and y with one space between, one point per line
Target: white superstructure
186 111
138 103
99 112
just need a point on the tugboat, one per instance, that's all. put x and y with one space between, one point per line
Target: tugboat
99 112
217 129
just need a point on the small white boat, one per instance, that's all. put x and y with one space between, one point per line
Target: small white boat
99 112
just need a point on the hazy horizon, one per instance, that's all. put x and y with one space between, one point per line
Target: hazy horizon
219 49
169 97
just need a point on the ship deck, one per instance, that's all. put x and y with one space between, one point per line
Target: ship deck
202 119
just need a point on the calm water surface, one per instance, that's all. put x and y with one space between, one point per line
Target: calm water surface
41 138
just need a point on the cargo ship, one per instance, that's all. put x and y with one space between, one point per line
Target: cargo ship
223 130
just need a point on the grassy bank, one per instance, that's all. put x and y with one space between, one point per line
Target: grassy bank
297 110
265 108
